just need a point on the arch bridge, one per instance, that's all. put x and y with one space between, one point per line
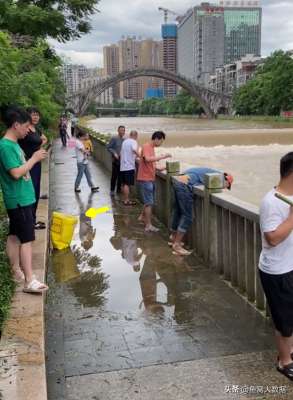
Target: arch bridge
211 101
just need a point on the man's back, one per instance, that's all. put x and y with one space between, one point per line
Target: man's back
146 170
196 175
128 155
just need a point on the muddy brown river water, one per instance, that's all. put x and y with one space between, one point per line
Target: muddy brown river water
249 150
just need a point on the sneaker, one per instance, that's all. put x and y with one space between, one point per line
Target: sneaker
151 228
77 190
178 250
95 189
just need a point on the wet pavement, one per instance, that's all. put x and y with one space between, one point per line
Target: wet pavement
120 300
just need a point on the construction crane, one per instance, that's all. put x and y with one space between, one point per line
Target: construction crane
166 11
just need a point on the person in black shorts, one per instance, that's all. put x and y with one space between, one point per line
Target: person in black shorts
30 143
128 155
276 263
19 196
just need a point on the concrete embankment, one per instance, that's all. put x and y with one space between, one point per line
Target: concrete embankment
22 347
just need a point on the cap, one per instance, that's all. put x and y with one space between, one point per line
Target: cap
229 179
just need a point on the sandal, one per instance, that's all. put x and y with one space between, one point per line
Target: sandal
40 225
129 203
170 244
180 251
34 286
286 370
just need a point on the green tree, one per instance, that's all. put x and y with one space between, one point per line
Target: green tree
271 90
60 19
31 77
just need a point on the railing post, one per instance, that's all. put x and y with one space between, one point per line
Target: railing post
173 168
214 183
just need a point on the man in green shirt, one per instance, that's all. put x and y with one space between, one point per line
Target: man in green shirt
19 197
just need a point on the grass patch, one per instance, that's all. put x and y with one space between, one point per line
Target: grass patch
7 285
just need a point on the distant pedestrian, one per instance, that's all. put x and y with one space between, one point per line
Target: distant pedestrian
31 143
68 126
19 196
128 155
82 163
74 122
276 263
63 130
147 175
114 147
183 204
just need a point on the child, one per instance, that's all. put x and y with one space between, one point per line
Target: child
88 146
82 163
19 197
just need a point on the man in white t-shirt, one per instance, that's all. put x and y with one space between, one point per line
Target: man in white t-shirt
276 262
128 155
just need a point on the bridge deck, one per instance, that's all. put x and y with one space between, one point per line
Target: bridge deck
168 328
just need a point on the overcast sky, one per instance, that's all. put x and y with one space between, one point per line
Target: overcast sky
142 18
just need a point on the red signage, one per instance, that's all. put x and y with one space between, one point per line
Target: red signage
287 114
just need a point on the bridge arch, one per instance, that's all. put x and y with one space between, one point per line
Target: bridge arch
209 100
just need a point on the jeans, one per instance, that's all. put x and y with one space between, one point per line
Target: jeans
83 169
116 176
182 207
36 172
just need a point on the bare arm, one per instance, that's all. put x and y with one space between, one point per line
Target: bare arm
282 232
44 139
157 158
17 173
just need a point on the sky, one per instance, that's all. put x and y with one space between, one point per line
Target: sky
142 18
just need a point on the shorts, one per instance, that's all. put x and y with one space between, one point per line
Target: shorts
21 223
127 177
147 190
279 293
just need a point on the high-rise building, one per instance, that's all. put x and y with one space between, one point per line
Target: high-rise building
242 29
111 65
151 56
201 42
211 35
72 76
129 58
169 34
135 53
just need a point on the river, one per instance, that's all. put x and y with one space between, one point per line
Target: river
250 150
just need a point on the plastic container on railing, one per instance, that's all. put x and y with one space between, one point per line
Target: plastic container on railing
62 229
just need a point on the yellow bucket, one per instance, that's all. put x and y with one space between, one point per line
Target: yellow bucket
62 229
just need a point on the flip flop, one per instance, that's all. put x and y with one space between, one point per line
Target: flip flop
40 225
286 370
34 286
